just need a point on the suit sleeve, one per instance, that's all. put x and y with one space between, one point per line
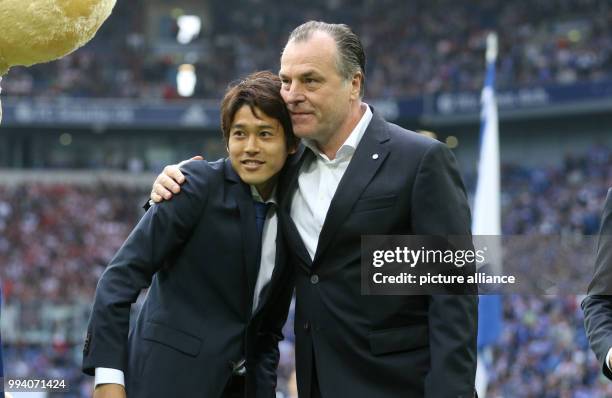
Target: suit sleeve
597 305
162 230
268 355
1 360
440 208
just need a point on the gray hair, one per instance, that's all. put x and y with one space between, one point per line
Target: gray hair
351 56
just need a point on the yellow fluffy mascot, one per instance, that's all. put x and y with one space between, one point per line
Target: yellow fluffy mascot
34 31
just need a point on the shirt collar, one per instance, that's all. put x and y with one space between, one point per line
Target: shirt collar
257 197
350 145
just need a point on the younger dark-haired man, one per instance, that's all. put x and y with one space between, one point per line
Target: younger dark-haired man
214 264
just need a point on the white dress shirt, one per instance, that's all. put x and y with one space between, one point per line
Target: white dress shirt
317 184
266 267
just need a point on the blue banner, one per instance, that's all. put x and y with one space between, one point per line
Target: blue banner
529 98
107 112
205 113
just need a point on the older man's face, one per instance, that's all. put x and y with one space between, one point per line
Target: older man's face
317 96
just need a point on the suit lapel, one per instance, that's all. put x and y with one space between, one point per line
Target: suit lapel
242 195
290 182
289 178
370 154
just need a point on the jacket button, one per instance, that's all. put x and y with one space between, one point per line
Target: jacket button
306 325
314 279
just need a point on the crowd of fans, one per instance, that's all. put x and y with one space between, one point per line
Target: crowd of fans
543 350
413 48
55 241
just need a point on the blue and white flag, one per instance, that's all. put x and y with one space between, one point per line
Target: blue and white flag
487 218
486 213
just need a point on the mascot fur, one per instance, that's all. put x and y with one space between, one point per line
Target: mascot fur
35 31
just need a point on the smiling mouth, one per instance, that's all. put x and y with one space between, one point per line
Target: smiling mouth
251 164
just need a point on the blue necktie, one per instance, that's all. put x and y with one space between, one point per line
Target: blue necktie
261 210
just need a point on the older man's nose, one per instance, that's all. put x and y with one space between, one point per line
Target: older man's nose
293 94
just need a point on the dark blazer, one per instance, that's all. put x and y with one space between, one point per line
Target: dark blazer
198 254
1 360
382 346
597 305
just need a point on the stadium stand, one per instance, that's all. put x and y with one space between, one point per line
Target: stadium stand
413 48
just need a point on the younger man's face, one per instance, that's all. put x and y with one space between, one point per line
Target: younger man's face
257 148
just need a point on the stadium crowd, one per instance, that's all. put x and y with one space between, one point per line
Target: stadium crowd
414 48
55 241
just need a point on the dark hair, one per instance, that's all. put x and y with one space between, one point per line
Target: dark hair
259 90
351 55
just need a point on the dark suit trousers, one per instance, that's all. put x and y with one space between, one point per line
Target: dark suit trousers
235 388
315 390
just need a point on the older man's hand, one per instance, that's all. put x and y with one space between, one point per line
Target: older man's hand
169 181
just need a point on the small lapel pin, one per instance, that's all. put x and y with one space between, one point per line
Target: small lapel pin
375 156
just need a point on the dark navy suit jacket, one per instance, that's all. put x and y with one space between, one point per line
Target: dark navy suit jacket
1 356
197 254
397 183
597 305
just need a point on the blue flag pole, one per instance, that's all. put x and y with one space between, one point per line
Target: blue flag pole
487 212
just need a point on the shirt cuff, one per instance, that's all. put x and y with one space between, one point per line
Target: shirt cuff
608 359
109 376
